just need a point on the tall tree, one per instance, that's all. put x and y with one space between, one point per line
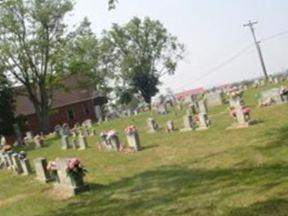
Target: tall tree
143 52
6 106
87 57
32 46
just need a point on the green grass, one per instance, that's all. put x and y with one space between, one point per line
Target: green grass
240 172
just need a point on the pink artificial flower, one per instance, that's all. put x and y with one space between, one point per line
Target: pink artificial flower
246 110
111 133
74 163
130 129
52 166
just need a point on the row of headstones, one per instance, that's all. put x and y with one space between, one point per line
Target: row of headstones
78 136
16 162
189 122
62 181
111 141
19 164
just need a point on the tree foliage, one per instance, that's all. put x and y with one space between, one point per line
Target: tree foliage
6 106
32 48
87 57
143 51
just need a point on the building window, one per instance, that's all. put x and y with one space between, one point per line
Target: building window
70 114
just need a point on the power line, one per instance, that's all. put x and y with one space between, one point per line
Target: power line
275 35
235 56
218 67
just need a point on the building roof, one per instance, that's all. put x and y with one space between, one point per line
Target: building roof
61 98
190 92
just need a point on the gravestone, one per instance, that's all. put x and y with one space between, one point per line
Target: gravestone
3 141
65 144
82 142
87 123
114 142
104 142
276 80
58 130
203 121
271 94
192 109
2 160
202 106
16 164
188 123
8 156
29 135
38 141
236 101
240 116
170 126
42 173
74 139
152 125
214 99
67 183
25 164
133 141
66 129
92 132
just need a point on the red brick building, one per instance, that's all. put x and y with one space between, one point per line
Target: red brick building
70 106
189 93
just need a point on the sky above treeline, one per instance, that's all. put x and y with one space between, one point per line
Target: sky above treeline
218 47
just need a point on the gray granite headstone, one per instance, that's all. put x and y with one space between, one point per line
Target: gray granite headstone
170 126
65 143
16 164
42 173
202 106
114 142
188 123
203 121
25 164
273 94
152 125
134 141
67 183
82 142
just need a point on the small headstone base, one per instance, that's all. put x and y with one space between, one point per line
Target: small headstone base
238 126
70 191
186 129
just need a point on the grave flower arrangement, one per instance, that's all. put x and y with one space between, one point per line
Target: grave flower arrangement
234 92
111 134
75 171
131 129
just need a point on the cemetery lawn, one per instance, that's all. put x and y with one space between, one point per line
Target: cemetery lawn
217 172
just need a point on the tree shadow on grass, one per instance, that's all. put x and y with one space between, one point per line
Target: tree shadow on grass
176 190
277 137
273 207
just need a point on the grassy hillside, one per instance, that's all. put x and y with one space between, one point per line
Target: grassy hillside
215 172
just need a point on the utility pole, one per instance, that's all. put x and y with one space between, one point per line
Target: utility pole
257 44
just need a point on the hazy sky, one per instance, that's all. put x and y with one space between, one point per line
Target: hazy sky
212 31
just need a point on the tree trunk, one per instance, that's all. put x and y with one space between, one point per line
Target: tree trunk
43 120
